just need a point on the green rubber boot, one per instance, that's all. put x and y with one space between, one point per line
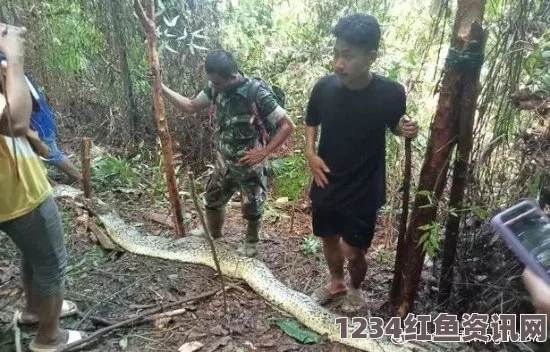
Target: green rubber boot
214 221
252 238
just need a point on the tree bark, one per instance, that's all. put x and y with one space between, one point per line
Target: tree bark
117 15
470 89
147 20
442 140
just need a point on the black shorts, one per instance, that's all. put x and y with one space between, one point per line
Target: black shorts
357 231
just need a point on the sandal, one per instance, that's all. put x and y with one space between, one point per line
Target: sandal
323 296
67 308
353 302
73 337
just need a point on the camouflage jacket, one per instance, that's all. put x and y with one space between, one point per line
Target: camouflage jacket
235 131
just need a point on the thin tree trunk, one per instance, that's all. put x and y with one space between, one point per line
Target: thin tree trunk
442 140
401 249
117 15
147 21
470 89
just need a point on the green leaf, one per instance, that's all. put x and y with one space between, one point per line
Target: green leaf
426 227
170 49
200 36
546 54
195 33
199 47
424 193
532 62
172 22
295 330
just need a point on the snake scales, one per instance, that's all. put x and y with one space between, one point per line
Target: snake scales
255 273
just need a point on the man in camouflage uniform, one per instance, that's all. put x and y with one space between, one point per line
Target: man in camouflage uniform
240 151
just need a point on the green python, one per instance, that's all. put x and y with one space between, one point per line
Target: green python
256 274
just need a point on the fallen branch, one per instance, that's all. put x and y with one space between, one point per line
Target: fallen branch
208 236
169 314
16 334
95 320
139 319
171 304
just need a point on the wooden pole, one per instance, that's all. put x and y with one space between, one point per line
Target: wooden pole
401 251
86 147
147 20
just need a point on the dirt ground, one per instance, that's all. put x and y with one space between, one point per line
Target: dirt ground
114 285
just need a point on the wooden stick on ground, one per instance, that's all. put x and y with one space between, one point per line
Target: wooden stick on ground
292 215
141 318
16 334
207 235
85 151
95 320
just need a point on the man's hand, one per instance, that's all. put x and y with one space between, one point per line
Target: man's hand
539 290
151 77
407 128
12 41
319 170
253 156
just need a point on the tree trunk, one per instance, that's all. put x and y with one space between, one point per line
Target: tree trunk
442 140
117 15
470 89
147 21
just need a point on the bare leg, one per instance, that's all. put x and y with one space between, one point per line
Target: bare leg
47 309
335 261
49 331
26 278
67 167
357 264
39 236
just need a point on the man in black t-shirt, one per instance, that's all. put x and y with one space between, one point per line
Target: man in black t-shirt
354 108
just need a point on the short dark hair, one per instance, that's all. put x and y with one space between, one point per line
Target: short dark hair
221 62
359 30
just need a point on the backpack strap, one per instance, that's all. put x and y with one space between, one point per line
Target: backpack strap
252 96
212 108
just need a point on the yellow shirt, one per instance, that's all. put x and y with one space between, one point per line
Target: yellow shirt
20 196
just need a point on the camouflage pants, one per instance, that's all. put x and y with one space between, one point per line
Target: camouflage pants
228 178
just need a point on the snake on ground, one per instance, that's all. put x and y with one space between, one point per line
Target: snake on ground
195 250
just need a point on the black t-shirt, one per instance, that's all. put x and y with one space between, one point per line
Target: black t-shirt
353 140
